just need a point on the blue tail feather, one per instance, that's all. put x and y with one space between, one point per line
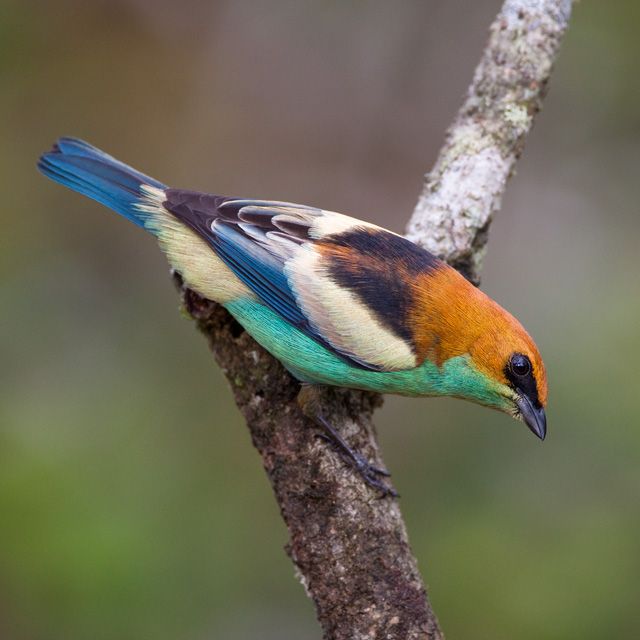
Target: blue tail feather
81 167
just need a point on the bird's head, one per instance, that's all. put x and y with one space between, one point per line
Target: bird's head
507 357
485 354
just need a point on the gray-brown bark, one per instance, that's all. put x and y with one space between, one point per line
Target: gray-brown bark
349 546
464 189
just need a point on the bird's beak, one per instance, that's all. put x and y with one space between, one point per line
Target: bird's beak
534 418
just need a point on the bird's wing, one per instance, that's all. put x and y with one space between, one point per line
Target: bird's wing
343 282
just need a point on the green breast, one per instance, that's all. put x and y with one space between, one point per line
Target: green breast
311 362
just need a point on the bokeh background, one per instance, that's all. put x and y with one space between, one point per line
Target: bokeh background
132 504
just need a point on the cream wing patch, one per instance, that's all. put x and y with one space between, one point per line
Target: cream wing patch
189 254
331 222
339 316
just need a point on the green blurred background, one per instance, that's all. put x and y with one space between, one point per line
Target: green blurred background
132 504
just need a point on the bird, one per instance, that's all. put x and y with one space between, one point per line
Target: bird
337 300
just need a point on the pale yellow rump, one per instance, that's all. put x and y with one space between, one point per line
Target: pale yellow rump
189 254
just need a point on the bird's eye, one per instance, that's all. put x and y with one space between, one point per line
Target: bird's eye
520 365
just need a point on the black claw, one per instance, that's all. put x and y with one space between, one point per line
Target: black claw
367 468
369 473
377 484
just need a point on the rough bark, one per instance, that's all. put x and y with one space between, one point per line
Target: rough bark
465 187
349 546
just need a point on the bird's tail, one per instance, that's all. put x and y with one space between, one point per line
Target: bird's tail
83 168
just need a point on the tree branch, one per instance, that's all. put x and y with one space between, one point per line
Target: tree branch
465 187
350 547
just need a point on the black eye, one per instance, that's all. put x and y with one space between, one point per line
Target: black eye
520 365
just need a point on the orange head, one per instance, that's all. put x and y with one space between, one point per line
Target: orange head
454 319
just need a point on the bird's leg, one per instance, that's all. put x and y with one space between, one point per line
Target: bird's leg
358 460
369 472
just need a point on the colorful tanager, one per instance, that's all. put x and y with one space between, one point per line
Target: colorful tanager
337 300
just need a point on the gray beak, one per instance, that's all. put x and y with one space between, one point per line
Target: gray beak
534 418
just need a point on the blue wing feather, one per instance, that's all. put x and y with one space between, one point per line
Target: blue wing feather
258 269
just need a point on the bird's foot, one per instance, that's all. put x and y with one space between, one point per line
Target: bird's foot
367 471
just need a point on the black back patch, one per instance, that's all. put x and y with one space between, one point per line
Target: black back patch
379 267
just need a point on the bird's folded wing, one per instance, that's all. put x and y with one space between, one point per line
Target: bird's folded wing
331 276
